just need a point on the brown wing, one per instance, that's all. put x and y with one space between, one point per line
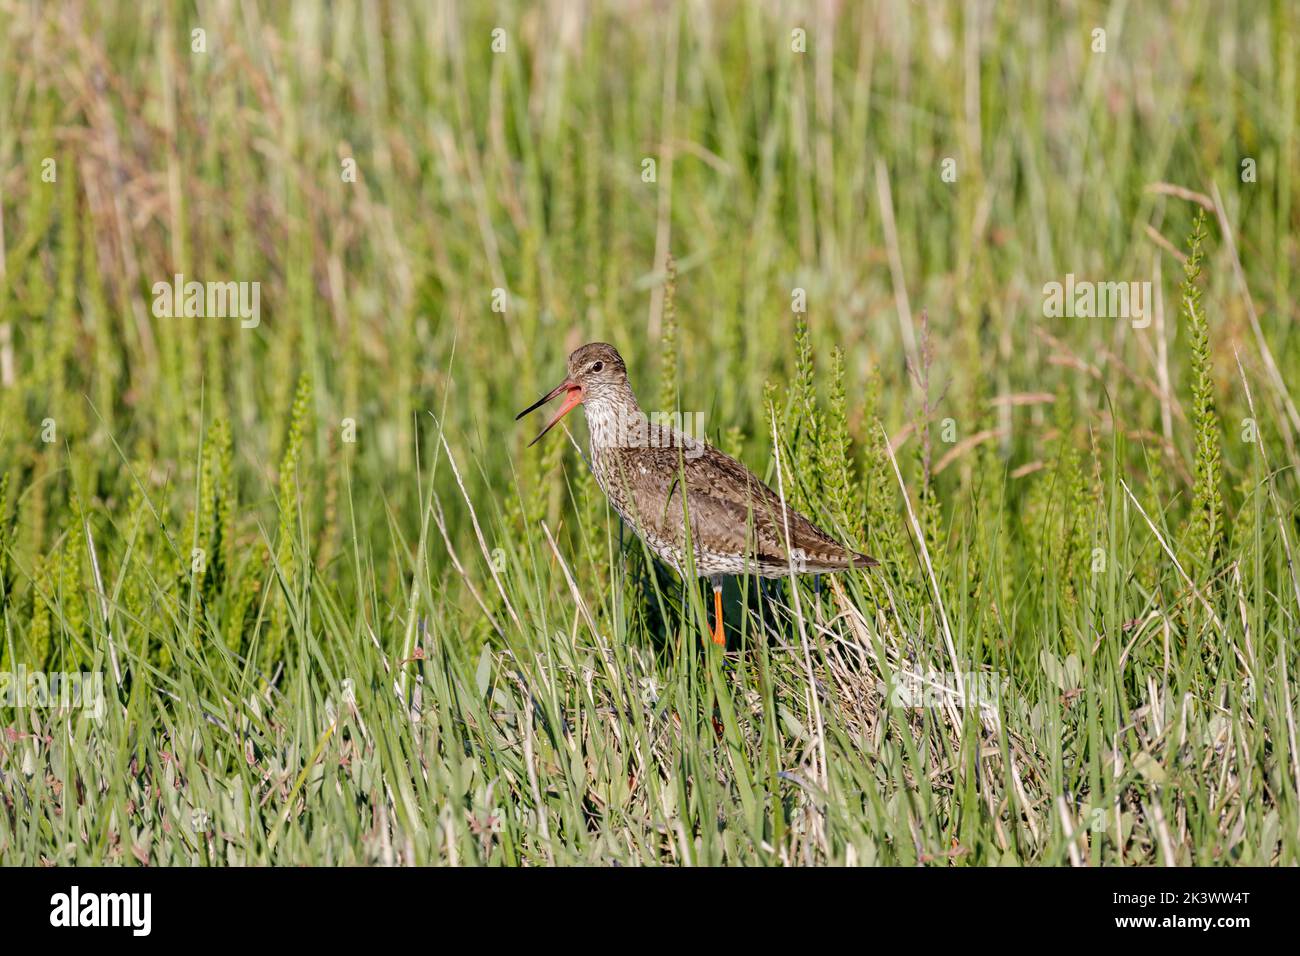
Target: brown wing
731 510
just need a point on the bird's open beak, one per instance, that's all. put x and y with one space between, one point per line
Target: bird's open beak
572 397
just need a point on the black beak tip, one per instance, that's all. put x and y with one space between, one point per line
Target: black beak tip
539 403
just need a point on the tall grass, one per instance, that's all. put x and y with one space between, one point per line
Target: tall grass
343 615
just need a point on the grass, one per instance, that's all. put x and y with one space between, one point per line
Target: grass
431 645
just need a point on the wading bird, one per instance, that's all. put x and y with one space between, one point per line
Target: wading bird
679 493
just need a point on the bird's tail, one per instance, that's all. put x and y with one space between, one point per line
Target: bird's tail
864 561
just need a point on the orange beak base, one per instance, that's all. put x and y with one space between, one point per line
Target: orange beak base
572 398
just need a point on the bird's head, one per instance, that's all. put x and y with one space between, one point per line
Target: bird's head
596 373
597 369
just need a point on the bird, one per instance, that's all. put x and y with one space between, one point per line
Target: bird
679 494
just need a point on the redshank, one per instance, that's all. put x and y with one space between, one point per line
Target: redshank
737 524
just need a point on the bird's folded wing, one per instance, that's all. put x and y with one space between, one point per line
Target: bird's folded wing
731 511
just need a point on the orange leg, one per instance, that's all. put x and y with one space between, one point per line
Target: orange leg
718 636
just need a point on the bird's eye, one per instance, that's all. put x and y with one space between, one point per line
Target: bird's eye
598 366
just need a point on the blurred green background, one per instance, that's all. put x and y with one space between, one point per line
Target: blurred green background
797 154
